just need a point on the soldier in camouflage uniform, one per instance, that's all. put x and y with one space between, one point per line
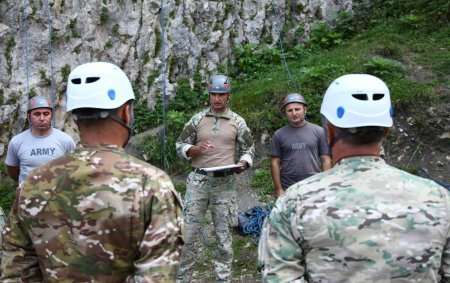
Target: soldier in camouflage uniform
96 214
210 139
362 220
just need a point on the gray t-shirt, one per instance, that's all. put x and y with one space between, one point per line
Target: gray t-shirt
27 151
299 150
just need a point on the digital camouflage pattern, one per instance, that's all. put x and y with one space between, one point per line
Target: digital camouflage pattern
244 138
217 194
220 196
361 221
94 215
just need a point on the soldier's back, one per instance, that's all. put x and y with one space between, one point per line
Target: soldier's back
365 221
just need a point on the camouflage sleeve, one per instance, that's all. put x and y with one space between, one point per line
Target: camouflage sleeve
445 262
162 241
188 136
245 141
445 267
19 260
280 256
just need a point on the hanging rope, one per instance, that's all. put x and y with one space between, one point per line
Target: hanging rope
277 24
50 50
25 27
163 75
424 173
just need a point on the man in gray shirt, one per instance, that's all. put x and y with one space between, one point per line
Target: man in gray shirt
299 148
39 144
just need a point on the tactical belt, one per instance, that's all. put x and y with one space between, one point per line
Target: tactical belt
213 174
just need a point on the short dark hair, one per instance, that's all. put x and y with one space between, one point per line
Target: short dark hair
362 135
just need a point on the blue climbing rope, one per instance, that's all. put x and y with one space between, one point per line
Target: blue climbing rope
25 27
277 24
50 50
424 173
163 71
250 222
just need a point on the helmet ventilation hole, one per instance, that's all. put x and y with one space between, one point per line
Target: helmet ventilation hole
92 79
76 81
361 96
378 96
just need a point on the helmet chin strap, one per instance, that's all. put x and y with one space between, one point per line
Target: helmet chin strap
109 114
120 121
128 126
340 136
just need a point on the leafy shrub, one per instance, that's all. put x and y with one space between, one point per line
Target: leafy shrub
108 44
7 189
144 117
247 61
262 181
104 15
187 99
411 22
7 196
252 60
158 41
344 23
157 154
115 30
323 37
426 14
65 71
151 78
389 50
160 150
383 68
318 76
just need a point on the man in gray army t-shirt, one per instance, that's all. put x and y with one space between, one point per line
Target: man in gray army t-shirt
39 144
299 149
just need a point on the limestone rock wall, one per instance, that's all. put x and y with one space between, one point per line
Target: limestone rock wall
199 37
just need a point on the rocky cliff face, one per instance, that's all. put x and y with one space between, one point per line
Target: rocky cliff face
199 37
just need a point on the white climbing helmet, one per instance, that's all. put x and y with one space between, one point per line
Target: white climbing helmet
357 100
98 85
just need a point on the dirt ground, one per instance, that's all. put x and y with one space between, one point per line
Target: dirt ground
420 140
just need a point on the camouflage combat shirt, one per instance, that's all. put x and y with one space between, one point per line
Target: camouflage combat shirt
94 215
361 221
189 137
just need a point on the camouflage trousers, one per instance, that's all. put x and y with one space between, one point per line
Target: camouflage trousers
219 196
